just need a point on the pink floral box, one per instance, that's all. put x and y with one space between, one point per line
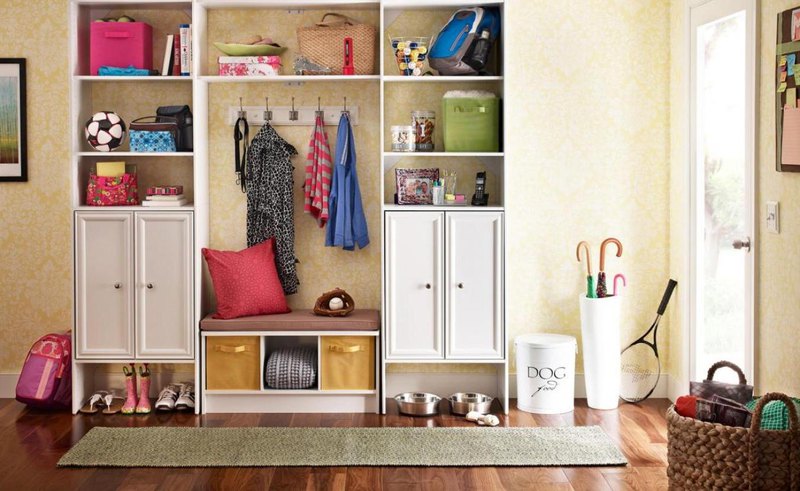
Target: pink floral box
241 66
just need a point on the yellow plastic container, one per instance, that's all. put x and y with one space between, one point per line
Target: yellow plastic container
347 362
233 363
110 169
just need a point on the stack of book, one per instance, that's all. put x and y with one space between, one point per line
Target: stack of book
165 196
178 52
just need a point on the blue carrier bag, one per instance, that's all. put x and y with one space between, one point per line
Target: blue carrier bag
453 42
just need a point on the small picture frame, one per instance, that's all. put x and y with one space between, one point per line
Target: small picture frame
415 186
13 128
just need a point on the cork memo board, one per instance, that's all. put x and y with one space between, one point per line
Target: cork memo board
787 86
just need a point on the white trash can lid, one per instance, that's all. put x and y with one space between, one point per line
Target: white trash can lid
545 340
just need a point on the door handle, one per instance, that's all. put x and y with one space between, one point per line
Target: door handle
427 286
149 286
742 244
461 285
117 285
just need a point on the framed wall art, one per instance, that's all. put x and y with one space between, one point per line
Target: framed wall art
13 128
415 186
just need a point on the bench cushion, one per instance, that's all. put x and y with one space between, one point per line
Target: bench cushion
298 320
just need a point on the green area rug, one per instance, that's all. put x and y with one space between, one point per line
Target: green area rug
248 447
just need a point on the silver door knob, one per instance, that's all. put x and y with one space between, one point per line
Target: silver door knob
117 285
742 244
461 285
149 286
427 286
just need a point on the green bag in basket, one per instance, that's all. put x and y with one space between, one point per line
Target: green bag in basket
775 415
471 121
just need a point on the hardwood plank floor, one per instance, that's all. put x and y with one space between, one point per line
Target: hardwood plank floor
32 441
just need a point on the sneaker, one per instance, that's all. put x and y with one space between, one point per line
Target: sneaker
168 396
185 397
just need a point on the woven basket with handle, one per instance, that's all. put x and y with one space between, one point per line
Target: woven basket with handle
713 456
323 43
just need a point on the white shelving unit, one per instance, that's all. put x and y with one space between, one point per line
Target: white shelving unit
197 12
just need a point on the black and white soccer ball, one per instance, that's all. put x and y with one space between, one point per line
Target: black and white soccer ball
105 131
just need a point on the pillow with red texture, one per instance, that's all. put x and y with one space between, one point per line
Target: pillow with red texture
246 282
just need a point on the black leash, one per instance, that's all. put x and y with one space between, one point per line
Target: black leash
241 136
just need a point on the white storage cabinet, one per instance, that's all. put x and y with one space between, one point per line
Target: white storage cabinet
134 281
420 282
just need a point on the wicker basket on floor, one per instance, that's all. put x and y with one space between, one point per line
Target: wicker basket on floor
713 456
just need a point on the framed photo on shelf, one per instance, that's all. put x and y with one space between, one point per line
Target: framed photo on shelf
13 129
415 186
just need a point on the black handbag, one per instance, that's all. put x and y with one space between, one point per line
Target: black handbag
183 116
741 392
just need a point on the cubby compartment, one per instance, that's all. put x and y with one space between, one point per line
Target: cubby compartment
164 17
235 25
295 362
233 363
347 362
150 171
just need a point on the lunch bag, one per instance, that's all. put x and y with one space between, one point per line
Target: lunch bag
158 135
45 380
182 116
453 42
113 191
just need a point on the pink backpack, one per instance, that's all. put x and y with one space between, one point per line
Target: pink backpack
46 380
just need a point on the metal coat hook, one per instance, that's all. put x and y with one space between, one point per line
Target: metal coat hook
293 113
267 112
320 113
242 112
344 110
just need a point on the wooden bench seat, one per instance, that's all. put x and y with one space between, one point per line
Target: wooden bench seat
298 320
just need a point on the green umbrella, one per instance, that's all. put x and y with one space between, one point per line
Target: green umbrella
590 290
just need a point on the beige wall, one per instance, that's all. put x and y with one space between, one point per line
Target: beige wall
588 148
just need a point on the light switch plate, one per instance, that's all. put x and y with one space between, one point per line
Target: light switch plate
773 217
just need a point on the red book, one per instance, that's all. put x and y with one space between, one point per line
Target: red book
176 64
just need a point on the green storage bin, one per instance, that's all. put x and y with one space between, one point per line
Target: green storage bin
471 124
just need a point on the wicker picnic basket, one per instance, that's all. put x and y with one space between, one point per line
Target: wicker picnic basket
323 43
713 456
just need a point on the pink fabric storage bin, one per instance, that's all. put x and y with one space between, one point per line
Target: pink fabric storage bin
120 44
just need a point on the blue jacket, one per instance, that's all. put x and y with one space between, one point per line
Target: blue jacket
347 225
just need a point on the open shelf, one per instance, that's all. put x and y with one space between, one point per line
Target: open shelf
112 209
151 78
467 207
440 78
400 155
288 78
293 4
135 154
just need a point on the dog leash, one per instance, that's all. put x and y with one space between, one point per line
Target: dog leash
241 138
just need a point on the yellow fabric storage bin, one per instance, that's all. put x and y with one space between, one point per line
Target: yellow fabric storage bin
347 362
233 362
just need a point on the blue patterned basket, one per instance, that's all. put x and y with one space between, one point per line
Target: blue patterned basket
153 136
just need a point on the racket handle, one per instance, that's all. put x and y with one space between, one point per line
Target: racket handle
667 294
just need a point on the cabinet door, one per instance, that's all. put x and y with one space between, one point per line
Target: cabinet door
474 285
104 285
164 299
414 249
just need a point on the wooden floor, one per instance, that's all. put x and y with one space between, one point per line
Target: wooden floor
31 442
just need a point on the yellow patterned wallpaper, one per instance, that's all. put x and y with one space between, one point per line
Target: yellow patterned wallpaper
588 158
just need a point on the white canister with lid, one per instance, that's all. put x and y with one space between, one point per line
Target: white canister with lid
546 373
403 138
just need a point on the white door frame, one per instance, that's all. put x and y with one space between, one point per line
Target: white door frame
699 12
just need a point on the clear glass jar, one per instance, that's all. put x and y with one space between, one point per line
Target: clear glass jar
424 123
402 138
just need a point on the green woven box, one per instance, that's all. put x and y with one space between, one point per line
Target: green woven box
471 124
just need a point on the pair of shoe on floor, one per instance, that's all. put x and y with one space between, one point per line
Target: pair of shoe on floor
178 396
105 400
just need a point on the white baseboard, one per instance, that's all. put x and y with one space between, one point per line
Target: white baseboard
8 385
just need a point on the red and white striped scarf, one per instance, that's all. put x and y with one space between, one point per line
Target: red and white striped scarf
318 174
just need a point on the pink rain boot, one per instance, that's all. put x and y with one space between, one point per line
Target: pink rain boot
144 391
130 387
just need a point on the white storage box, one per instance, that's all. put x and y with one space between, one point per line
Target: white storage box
546 373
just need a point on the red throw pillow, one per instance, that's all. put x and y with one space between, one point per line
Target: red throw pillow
246 282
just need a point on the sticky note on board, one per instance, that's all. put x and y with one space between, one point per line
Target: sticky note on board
797 78
791 97
782 87
783 76
783 60
790 59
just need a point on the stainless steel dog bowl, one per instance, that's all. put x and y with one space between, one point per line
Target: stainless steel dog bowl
464 402
418 403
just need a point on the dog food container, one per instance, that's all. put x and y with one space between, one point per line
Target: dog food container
403 138
546 373
424 123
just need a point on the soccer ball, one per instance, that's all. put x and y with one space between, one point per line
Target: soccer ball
105 131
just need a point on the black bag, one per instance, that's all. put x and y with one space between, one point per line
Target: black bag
183 115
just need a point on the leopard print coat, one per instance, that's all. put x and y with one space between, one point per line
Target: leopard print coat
270 200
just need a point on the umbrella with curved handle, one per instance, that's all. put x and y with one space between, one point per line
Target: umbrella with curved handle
590 291
602 290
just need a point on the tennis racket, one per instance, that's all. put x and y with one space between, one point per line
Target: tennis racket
641 367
